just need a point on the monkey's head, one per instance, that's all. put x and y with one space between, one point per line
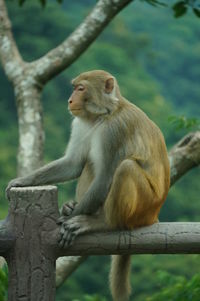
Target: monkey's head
95 94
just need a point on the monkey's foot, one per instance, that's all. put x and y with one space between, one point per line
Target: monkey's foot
66 210
73 227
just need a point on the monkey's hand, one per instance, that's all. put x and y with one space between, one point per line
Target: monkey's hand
66 211
68 208
13 183
73 227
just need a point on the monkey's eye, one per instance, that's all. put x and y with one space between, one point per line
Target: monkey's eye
80 88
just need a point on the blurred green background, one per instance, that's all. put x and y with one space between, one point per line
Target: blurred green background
156 60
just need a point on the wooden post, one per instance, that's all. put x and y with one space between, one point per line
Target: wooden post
31 263
29 242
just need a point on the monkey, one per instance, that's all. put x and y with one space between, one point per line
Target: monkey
120 159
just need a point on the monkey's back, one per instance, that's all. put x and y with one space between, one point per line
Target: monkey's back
129 134
146 146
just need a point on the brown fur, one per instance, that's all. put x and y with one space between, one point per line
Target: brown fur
141 181
121 159
119 277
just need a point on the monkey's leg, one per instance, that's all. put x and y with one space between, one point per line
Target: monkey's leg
127 206
131 201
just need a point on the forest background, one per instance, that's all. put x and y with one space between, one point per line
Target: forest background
156 60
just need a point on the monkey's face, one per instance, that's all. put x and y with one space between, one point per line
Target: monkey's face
94 95
76 102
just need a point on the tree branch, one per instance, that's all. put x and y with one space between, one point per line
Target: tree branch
9 54
66 53
184 155
65 266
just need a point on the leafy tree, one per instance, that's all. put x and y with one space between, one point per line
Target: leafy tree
177 288
3 283
138 83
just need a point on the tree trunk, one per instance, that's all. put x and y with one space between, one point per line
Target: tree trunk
31 132
26 76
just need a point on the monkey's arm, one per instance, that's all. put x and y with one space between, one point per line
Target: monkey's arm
94 198
57 171
97 193
88 205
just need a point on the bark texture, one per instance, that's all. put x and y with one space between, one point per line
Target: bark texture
31 132
65 266
185 155
9 55
28 78
30 236
28 93
31 262
160 238
66 53
32 219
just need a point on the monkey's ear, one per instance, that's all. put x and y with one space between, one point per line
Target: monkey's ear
109 85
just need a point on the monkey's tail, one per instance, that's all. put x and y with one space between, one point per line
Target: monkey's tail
119 277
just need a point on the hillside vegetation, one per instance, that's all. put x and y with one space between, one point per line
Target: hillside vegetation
155 59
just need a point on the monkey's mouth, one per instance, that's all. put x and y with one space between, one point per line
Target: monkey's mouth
75 111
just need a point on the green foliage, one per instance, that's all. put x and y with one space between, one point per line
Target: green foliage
92 276
196 12
156 61
182 122
177 288
3 283
42 2
21 2
173 59
181 7
156 3
90 298
8 149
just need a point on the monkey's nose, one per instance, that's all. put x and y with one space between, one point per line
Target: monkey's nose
70 101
